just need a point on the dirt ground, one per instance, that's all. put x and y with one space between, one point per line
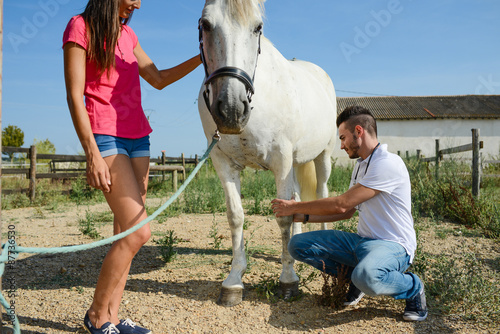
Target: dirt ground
54 291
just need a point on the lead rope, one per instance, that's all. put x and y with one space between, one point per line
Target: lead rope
11 250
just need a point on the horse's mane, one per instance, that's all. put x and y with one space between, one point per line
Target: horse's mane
242 10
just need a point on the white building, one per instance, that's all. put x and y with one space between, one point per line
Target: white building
411 123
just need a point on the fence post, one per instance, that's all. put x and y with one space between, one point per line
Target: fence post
475 163
163 161
174 180
32 186
184 167
418 154
438 159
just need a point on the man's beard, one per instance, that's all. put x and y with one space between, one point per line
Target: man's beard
353 148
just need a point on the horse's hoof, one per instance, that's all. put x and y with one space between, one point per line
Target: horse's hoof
230 297
288 290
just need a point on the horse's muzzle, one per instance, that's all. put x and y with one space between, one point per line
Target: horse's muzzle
231 119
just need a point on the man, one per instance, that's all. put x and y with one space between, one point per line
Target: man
379 254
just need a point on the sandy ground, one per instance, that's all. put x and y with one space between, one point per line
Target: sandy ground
54 291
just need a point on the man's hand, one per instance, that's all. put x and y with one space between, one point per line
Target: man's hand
282 207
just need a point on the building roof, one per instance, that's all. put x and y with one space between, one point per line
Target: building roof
426 107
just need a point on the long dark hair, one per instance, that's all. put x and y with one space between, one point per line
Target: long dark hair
103 28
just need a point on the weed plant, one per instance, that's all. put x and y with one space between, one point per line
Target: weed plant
250 251
215 235
88 226
166 244
334 287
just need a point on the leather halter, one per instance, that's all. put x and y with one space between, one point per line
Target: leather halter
228 71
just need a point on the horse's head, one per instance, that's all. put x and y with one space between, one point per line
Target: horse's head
230 33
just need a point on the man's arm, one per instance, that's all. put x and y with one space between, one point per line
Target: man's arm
339 205
299 217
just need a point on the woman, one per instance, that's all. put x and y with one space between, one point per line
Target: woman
102 62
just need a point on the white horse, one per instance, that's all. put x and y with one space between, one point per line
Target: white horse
288 122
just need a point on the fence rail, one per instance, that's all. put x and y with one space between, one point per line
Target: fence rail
162 164
475 147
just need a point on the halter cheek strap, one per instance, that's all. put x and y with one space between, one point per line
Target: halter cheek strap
229 71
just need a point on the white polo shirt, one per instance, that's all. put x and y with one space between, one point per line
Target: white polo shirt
387 216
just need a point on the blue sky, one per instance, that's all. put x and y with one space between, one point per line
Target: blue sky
369 48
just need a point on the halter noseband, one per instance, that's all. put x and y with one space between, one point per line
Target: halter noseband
228 71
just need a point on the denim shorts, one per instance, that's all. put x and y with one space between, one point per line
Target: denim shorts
133 148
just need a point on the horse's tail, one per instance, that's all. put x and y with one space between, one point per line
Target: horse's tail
306 177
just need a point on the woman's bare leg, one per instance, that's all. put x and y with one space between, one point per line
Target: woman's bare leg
126 201
141 170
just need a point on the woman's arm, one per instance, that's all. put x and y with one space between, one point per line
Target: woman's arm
74 73
159 79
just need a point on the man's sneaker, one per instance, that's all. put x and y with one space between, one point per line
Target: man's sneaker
416 307
353 295
107 328
127 326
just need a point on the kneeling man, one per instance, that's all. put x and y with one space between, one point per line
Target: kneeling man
380 253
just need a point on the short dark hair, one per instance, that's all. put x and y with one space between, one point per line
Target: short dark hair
357 115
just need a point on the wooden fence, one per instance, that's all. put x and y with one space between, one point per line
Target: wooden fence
162 165
475 147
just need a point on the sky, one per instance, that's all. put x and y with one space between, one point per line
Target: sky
369 48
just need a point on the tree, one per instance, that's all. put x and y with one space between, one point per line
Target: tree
12 136
44 146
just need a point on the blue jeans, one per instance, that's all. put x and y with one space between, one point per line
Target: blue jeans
376 267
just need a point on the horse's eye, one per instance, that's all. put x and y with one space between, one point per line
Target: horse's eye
258 29
205 25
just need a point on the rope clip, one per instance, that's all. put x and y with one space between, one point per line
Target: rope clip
217 135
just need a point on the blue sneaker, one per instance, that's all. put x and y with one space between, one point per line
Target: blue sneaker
127 326
353 295
107 328
416 307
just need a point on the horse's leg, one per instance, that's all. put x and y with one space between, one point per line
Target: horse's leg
232 287
289 281
296 226
323 165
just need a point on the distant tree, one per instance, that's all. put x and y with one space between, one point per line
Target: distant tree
12 136
44 146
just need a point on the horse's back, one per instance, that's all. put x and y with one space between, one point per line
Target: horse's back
315 73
